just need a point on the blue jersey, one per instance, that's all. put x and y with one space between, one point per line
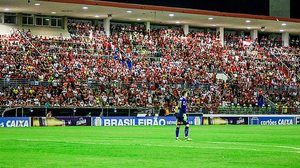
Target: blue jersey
183 106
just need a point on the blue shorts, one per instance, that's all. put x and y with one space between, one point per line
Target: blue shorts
182 120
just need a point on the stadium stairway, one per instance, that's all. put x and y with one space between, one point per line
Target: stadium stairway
283 67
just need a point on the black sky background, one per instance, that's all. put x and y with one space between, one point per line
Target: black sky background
295 9
257 7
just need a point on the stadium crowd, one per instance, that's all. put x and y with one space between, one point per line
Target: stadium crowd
134 67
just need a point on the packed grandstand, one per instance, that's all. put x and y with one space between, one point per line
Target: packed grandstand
137 68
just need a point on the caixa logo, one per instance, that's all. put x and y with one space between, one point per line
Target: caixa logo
273 120
278 122
14 122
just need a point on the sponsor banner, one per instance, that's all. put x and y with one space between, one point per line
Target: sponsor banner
131 121
61 121
298 120
225 120
272 120
15 122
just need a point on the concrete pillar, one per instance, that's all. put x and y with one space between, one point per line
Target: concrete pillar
186 29
65 23
34 20
280 8
286 39
19 19
106 24
254 34
148 26
220 30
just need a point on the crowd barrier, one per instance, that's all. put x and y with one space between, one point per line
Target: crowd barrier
206 119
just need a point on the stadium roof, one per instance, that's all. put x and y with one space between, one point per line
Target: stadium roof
154 14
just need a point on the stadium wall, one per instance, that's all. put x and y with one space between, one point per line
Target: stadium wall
209 119
6 29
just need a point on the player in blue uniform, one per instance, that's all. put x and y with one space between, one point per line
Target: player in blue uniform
181 116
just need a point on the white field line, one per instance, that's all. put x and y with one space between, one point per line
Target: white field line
195 146
261 145
199 147
289 147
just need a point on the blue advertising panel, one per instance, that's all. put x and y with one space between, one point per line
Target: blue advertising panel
298 120
272 120
131 121
15 122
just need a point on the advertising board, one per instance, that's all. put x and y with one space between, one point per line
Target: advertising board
61 121
272 120
15 122
138 121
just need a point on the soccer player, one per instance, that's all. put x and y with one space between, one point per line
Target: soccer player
182 117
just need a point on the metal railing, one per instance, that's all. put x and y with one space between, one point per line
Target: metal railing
258 110
31 111
6 82
283 64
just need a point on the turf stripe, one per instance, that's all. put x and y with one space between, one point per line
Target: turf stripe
194 146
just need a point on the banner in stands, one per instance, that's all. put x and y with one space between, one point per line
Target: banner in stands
225 120
272 120
61 121
298 120
130 121
15 122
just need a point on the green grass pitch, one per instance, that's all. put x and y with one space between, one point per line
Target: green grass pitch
150 147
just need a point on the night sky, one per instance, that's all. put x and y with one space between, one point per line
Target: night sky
295 12
257 7
260 7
